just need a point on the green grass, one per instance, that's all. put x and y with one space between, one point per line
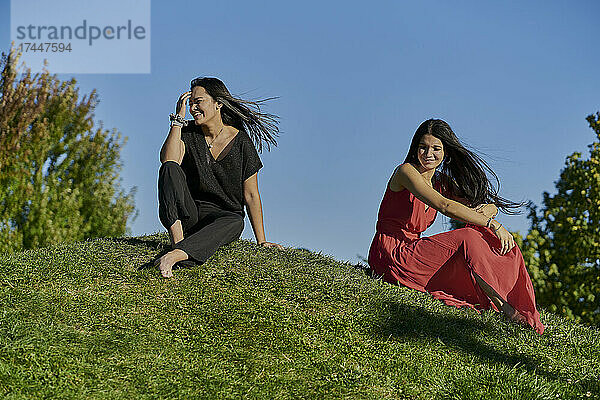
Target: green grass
81 321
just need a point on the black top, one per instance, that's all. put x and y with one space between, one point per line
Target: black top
221 181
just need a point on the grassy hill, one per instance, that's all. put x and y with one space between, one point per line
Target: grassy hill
83 321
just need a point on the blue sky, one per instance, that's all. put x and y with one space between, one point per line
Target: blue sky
513 79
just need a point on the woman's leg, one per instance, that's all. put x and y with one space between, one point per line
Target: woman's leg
175 204
215 229
176 232
483 259
462 267
500 303
176 207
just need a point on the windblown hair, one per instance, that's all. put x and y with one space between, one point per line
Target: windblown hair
242 114
462 173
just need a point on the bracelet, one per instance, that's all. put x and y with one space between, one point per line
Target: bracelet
489 225
176 123
178 118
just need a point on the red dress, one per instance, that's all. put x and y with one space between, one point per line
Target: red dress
443 264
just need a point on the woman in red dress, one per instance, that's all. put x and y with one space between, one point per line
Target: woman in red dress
478 266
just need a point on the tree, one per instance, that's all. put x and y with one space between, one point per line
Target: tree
562 249
58 172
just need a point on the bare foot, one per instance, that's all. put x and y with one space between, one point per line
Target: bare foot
513 315
164 266
166 262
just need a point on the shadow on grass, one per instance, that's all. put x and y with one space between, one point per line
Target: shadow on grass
417 324
150 242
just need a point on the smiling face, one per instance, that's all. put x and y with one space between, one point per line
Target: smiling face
202 106
430 152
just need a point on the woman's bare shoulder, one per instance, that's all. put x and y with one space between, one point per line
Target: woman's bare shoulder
400 172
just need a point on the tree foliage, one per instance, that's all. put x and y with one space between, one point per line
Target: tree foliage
562 249
58 172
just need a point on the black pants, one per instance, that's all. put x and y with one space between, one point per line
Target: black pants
206 227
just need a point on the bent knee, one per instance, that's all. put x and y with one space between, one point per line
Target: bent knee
170 164
468 234
170 167
232 227
236 222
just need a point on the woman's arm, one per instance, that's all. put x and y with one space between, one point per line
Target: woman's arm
173 148
408 176
489 210
254 207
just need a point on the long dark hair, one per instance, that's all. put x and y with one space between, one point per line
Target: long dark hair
462 173
242 114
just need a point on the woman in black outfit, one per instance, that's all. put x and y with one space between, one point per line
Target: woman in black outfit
209 172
